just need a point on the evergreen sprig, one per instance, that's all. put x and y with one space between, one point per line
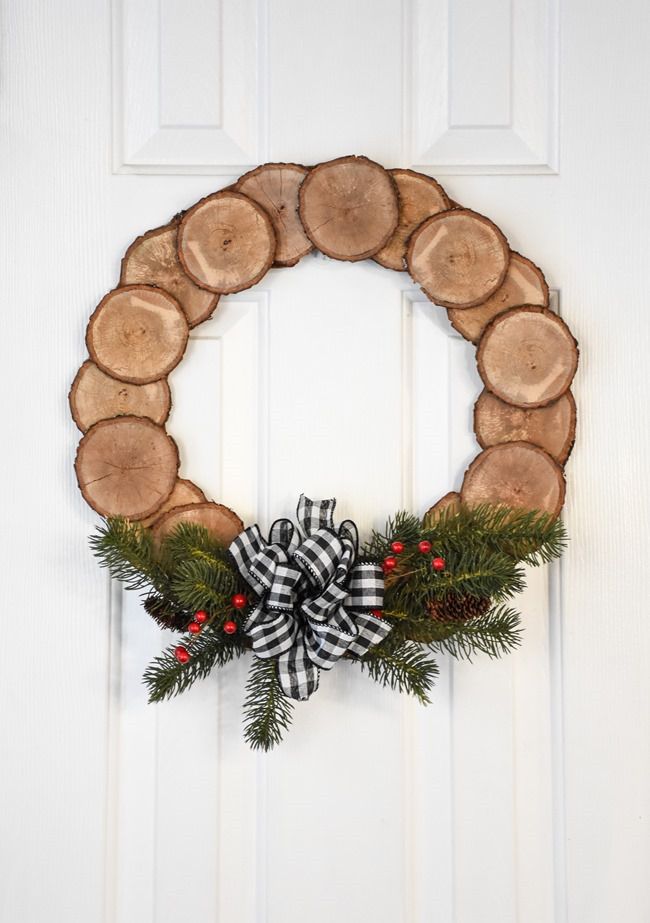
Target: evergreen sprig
127 550
267 711
496 633
405 667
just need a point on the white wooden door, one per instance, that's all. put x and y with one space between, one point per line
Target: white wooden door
522 793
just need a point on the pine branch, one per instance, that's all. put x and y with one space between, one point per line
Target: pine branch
165 677
405 667
127 550
496 633
203 582
267 710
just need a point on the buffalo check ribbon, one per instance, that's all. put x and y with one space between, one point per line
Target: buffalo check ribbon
313 596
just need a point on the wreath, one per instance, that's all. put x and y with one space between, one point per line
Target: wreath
309 593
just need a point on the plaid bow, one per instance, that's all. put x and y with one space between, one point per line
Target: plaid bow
312 595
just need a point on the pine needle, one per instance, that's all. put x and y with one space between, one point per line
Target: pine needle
267 710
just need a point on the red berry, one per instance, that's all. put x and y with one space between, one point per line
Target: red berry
397 547
230 627
201 616
239 600
194 628
389 563
182 654
378 614
424 546
438 564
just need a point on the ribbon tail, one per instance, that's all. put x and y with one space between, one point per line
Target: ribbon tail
371 631
297 675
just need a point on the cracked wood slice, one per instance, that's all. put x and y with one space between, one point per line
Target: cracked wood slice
226 242
276 186
153 259
222 523
524 283
95 396
552 427
515 474
183 494
126 467
459 258
349 207
527 356
137 334
420 197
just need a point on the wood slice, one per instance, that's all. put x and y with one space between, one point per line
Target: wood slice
276 186
137 333
515 474
349 207
524 283
153 259
527 356
449 505
459 258
126 467
222 523
183 494
552 427
95 396
420 197
226 242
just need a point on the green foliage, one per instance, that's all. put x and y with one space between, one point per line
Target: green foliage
496 633
404 666
267 711
127 550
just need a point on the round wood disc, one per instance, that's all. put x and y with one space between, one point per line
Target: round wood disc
449 505
459 258
420 197
226 242
183 494
222 523
524 283
349 207
515 474
552 427
527 356
137 333
153 259
126 467
276 187
95 396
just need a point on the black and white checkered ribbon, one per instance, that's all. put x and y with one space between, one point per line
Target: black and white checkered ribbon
313 596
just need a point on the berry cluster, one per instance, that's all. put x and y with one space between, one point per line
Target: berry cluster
424 547
201 617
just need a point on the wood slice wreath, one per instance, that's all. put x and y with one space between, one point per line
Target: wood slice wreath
127 465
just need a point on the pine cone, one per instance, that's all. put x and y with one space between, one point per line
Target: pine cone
456 608
164 615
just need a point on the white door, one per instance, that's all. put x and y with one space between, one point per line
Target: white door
521 794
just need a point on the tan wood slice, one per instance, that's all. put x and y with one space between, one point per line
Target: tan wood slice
153 259
524 283
527 356
276 187
95 396
515 474
447 505
222 523
551 427
349 207
137 333
458 257
183 493
420 197
226 242
126 467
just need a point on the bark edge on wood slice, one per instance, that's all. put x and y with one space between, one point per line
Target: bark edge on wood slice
515 474
126 466
524 283
552 427
276 188
448 505
221 522
349 207
226 242
95 396
137 334
152 259
183 493
458 258
527 356
419 197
